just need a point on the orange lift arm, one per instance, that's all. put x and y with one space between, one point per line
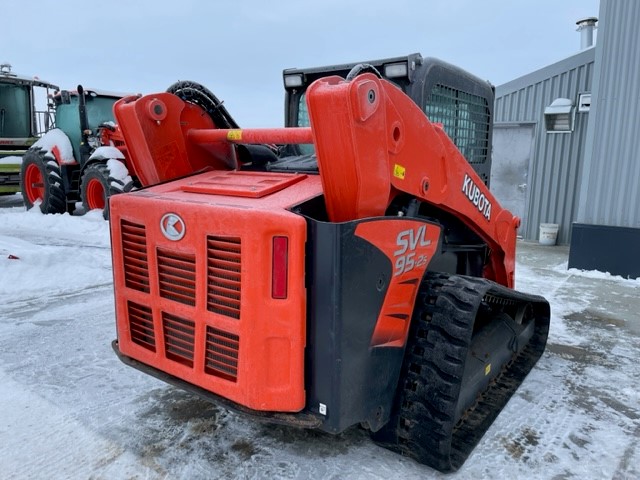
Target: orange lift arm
373 142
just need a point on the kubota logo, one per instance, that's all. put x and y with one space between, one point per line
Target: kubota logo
476 197
172 227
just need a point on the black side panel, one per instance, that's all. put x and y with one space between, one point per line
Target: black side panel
347 381
604 248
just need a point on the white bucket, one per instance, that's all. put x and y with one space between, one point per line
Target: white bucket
549 233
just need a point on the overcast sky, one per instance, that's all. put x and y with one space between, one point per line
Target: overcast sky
238 49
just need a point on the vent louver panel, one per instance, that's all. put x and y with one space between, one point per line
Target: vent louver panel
178 338
177 276
221 356
134 252
223 275
141 326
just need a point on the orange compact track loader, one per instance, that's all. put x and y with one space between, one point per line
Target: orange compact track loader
375 290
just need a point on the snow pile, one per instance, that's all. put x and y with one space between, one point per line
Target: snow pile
595 274
56 138
118 171
55 253
105 153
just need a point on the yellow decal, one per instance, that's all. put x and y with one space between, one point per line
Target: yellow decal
399 171
234 135
487 369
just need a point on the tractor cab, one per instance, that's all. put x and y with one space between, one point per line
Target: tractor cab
82 114
22 122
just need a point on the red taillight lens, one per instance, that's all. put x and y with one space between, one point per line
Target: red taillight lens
280 267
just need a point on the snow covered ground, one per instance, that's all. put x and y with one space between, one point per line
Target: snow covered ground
70 409
10 160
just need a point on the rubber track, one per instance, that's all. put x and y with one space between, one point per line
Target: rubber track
422 424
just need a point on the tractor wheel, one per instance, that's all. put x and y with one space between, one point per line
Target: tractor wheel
41 182
97 185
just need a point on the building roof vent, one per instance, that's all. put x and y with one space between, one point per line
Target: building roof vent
586 26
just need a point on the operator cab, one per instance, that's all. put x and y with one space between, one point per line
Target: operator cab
460 102
21 122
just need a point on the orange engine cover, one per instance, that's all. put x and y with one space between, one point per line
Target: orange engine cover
193 265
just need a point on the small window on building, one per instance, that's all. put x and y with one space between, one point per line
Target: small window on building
584 102
559 116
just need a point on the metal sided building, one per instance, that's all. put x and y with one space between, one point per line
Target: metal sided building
540 129
566 143
606 234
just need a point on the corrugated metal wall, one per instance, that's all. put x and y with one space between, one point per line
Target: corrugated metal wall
556 158
610 187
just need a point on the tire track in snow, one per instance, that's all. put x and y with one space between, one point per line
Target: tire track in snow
25 308
29 423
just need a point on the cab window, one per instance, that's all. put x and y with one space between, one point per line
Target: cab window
464 117
303 121
15 115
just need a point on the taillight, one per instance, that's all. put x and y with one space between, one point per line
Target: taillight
280 267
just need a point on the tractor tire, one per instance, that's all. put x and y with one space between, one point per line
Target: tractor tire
98 185
41 182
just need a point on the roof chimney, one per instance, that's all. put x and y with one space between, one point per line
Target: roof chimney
586 26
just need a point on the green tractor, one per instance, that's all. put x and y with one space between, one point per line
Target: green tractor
82 159
21 123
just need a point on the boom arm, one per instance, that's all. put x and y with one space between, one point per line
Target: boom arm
372 143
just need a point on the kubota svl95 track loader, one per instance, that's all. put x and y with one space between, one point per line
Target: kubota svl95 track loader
377 291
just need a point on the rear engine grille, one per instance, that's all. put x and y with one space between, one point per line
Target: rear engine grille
178 338
134 252
223 275
221 356
177 276
141 326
